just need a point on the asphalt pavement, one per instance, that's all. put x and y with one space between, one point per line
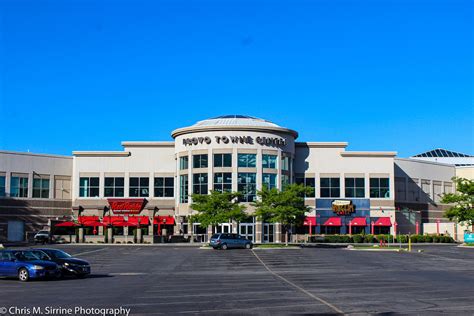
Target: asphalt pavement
309 281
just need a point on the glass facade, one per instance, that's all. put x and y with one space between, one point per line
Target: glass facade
269 180
2 185
164 187
247 185
19 187
330 187
41 188
183 189
89 186
223 181
308 183
285 163
379 188
114 187
222 160
200 181
199 161
247 160
183 163
355 187
139 187
269 161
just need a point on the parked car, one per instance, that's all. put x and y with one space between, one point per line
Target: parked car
25 265
42 237
224 241
67 263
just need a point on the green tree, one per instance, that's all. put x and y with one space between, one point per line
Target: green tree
217 207
463 202
285 207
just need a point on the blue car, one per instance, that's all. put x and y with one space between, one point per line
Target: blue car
25 265
225 241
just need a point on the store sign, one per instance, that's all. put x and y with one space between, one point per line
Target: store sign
127 206
343 207
469 238
261 140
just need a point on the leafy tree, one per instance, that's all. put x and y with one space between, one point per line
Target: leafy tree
286 207
463 200
217 207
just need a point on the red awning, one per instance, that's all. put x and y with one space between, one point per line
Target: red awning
383 221
66 224
92 224
333 221
310 220
163 220
135 220
83 219
358 221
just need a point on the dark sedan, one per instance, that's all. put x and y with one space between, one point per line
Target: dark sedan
69 265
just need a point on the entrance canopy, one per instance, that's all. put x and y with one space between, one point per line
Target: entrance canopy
358 221
333 221
310 221
383 221
66 224
163 220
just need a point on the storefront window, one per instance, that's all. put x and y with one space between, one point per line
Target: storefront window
247 160
308 183
41 188
379 188
2 185
222 160
114 187
89 187
183 163
247 185
199 161
269 180
19 187
223 182
139 187
200 183
330 187
355 187
269 161
183 189
164 187
285 163
285 180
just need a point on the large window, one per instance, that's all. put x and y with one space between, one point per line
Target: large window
269 180
41 188
183 163
19 187
247 185
2 185
308 183
330 187
379 188
285 163
223 181
247 160
164 187
89 186
114 187
200 183
269 161
285 180
139 187
199 161
355 187
183 189
222 160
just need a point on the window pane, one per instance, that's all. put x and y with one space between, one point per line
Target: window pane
169 182
159 192
324 192
108 192
374 182
335 193
324 182
109 182
227 160
203 161
82 182
349 182
159 182
242 160
36 193
94 192
119 182
360 193
350 192
335 182
169 192
119 192
384 182
360 183
218 160
134 182
144 182
94 182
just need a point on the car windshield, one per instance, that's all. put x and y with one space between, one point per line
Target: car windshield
26 256
58 254
43 232
215 236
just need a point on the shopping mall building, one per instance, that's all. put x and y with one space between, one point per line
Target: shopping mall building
105 196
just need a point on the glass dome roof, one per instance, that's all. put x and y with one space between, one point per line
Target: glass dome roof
235 120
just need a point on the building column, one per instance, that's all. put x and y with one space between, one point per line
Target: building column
81 235
278 233
209 232
258 232
110 238
139 235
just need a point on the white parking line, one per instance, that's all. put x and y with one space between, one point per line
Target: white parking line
298 287
87 252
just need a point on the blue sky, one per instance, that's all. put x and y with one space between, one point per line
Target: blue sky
382 75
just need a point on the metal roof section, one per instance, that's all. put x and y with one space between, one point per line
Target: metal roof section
442 153
236 120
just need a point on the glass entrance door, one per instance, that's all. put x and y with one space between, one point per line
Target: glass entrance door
246 230
225 228
268 232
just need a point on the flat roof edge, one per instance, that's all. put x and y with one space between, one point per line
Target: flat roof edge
9 152
101 153
322 144
426 161
147 144
369 153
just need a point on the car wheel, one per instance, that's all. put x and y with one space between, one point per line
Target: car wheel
248 246
23 275
224 247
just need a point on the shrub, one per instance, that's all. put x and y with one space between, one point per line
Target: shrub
345 239
421 238
436 238
414 238
428 238
402 238
358 238
369 238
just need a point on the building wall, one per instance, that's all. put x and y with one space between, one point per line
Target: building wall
465 172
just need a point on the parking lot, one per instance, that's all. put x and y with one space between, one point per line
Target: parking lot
189 280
